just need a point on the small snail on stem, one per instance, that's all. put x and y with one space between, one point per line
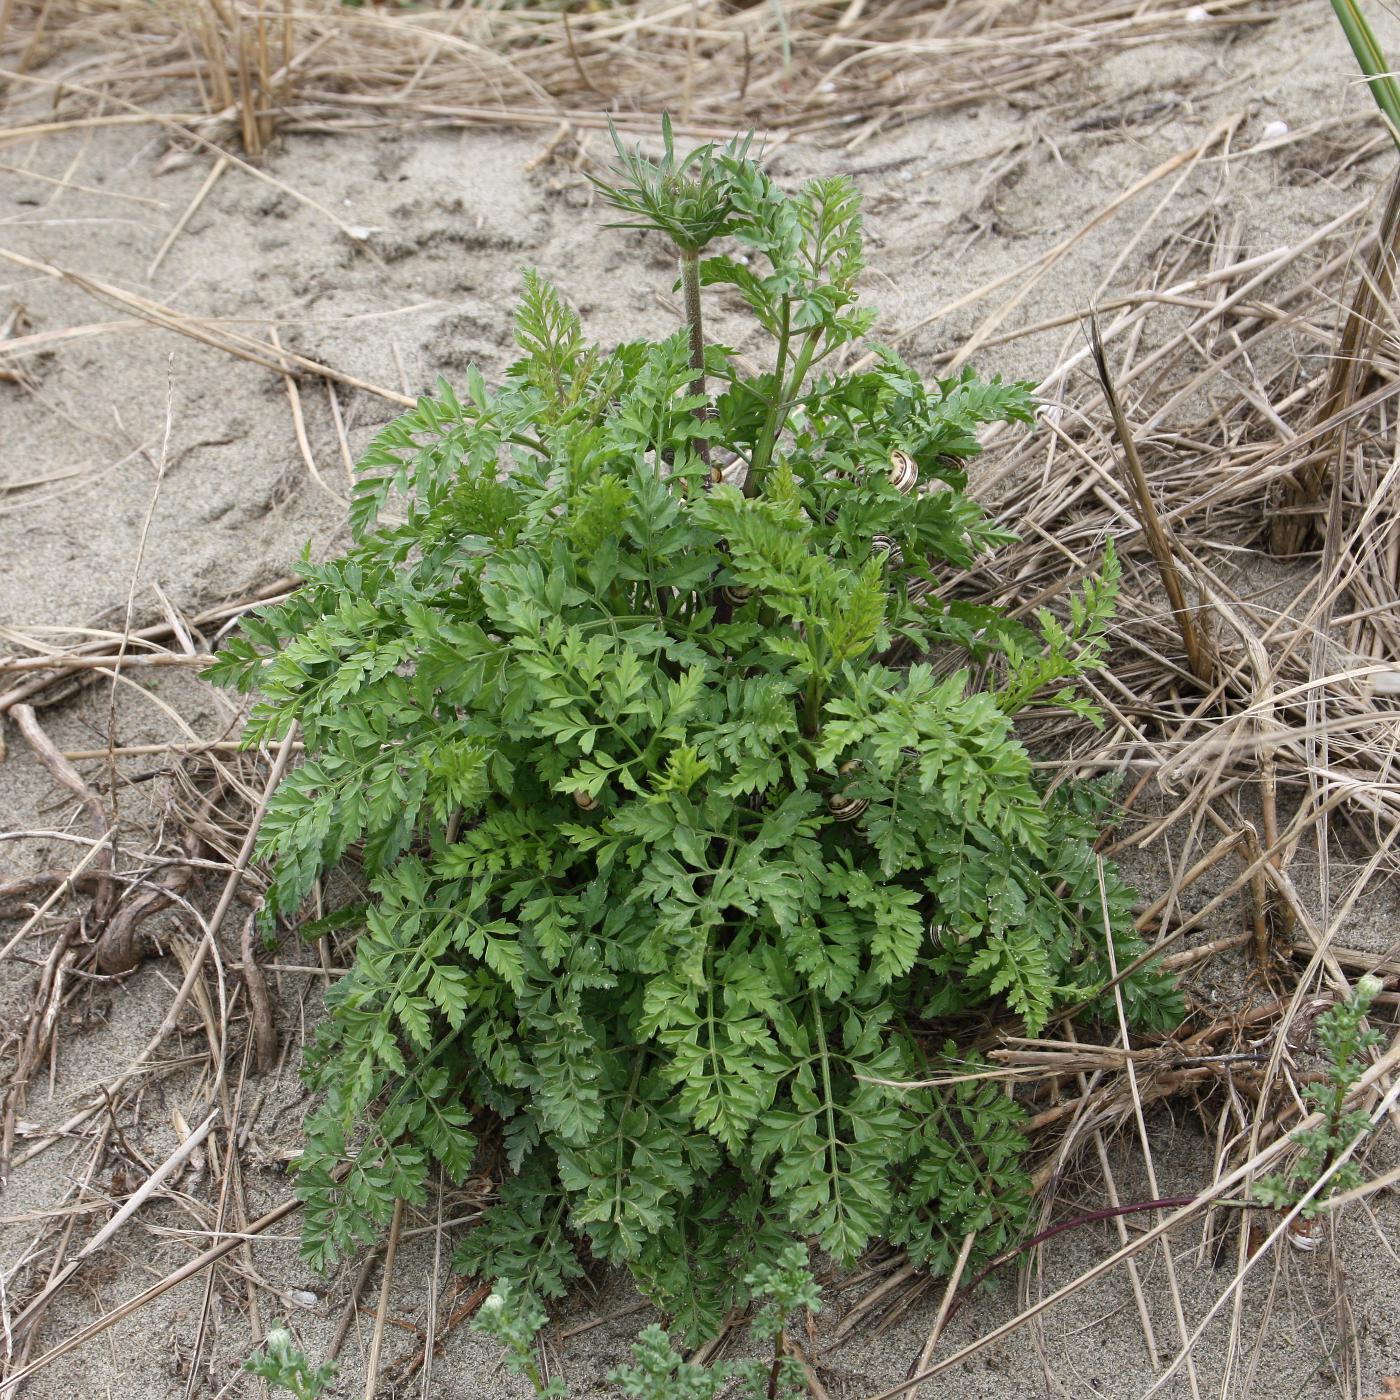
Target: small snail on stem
585 800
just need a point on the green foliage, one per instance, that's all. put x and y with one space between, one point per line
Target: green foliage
514 1317
281 1363
1344 1040
782 1289
673 872
687 197
1380 77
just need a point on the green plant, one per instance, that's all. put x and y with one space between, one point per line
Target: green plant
657 1372
1344 1041
674 873
1380 78
282 1363
514 1317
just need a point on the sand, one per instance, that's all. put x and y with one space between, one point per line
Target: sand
953 202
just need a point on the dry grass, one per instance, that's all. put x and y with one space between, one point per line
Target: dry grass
1252 713
851 68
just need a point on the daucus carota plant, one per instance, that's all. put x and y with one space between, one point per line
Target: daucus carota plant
674 874
282 1364
1344 1039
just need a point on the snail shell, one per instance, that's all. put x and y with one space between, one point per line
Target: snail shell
736 597
585 801
843 808
904 472
888 546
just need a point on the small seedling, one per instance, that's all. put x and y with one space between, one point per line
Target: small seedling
281 1363
1344 1042
513 1317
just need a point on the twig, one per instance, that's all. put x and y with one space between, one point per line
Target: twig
1158 541
230 341
944 1308
299 425
376 1345
11 1383
264 1028
129 1208
63 772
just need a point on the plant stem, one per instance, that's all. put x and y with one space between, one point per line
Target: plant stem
776 1369
788 390
690 285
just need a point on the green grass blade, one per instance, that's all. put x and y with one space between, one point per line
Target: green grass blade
1371 60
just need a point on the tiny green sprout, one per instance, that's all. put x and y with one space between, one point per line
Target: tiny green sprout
657 1373
1344 1041
513 1316
788 1287
281 1363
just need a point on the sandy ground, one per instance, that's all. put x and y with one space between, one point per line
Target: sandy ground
90 498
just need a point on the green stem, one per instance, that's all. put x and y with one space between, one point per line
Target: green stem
775 1370
772 422
812 708
788 391
690 285
1371 60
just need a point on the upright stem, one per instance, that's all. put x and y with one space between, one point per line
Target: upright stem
690 281
690 284
787 391
775 1370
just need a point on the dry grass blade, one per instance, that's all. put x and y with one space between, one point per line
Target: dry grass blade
1159 542
191 209
1294 524
203 330
784 67
376 1346
10 1384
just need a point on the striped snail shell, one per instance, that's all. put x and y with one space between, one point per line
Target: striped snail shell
888 546
904 472
587 802
843 808
736 597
